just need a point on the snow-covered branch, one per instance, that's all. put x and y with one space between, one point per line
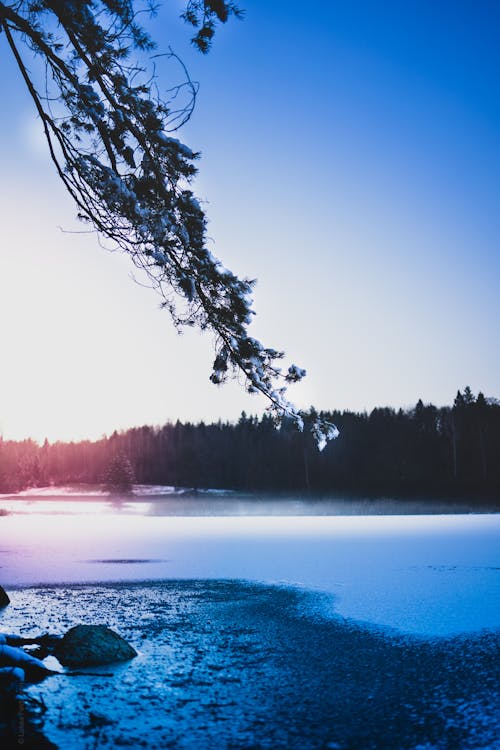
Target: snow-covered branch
109 135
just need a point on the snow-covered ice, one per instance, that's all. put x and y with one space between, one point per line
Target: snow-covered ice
425 575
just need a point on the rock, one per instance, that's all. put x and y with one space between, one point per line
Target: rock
4 599
88 645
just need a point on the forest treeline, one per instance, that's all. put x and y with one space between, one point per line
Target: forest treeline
426 451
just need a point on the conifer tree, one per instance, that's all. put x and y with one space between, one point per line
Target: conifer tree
120 475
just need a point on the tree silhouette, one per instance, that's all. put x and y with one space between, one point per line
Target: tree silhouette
120 475
386 453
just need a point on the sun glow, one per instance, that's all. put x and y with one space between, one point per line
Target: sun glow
86 351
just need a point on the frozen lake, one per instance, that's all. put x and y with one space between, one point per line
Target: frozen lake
424 575
272 631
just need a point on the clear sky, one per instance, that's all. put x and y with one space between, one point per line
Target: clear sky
350 162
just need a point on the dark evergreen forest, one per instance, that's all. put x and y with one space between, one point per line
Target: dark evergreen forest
425 452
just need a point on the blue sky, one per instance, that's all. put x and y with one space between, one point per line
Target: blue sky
350 161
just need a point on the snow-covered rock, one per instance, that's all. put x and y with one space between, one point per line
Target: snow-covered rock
13 659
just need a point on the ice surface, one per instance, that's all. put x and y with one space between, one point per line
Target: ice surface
225 664
83 491
427 575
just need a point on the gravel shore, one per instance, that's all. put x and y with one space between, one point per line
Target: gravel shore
229 664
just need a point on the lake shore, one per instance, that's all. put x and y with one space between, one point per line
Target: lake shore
229 664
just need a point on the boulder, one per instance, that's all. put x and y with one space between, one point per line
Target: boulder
4 599
89 645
